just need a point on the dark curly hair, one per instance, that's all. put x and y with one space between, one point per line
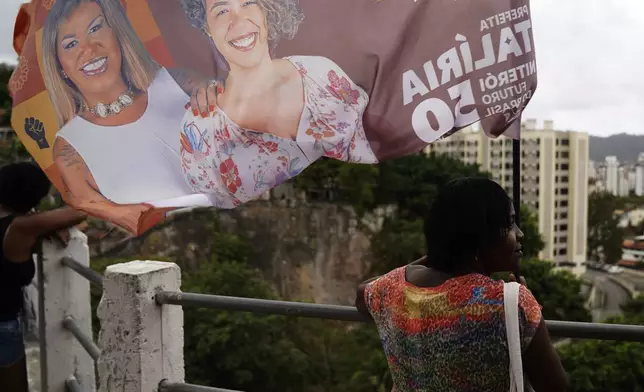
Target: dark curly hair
283 17
468 215
22 187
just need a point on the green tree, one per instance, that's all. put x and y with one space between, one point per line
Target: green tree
238 350
605 365
532 241
5 98
634 310
604 237
408 182
336 181
399 242
13 150
412 182
342 356
559 292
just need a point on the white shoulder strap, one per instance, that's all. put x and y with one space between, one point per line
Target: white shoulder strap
511 307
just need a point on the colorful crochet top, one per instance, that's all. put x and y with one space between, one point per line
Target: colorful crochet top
450 337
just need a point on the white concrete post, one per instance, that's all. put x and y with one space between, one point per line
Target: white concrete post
142 342
65 293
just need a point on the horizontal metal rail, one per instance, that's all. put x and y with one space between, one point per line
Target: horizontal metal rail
84 271
564 329
72 385
285 308
83 339
165 386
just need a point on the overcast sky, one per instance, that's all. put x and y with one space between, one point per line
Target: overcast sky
588 52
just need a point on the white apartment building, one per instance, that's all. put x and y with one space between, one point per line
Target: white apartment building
639 175
554 181
612 168
623 181
596 173
639 180
593 172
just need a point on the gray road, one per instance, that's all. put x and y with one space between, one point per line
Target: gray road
615 295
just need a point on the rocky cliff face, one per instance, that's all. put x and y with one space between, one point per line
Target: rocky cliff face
310 251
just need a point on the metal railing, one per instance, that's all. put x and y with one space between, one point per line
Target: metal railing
165 386
84 271
564 329
85 341
72 385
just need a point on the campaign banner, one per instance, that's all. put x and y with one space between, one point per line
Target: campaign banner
137 107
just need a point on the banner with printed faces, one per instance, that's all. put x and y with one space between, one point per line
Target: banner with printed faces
138 107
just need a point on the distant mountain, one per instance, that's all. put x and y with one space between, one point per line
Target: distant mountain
624 146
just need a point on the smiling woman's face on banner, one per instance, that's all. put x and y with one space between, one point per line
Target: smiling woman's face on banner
138 107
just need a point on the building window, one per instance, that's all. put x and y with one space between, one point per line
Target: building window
562 252
564 203
563 227
564 142
564 166
564 215
564 154
564 179
564 191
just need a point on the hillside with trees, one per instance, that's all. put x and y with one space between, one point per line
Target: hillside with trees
625 147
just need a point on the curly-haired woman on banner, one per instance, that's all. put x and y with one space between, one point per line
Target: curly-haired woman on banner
118 146
274 117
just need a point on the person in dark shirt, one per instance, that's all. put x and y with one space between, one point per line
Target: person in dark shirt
22 187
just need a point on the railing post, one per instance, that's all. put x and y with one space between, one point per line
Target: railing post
63 294
142 342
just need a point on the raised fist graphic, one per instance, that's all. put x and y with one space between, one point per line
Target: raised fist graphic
36 130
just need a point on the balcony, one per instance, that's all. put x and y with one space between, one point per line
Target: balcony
140 344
